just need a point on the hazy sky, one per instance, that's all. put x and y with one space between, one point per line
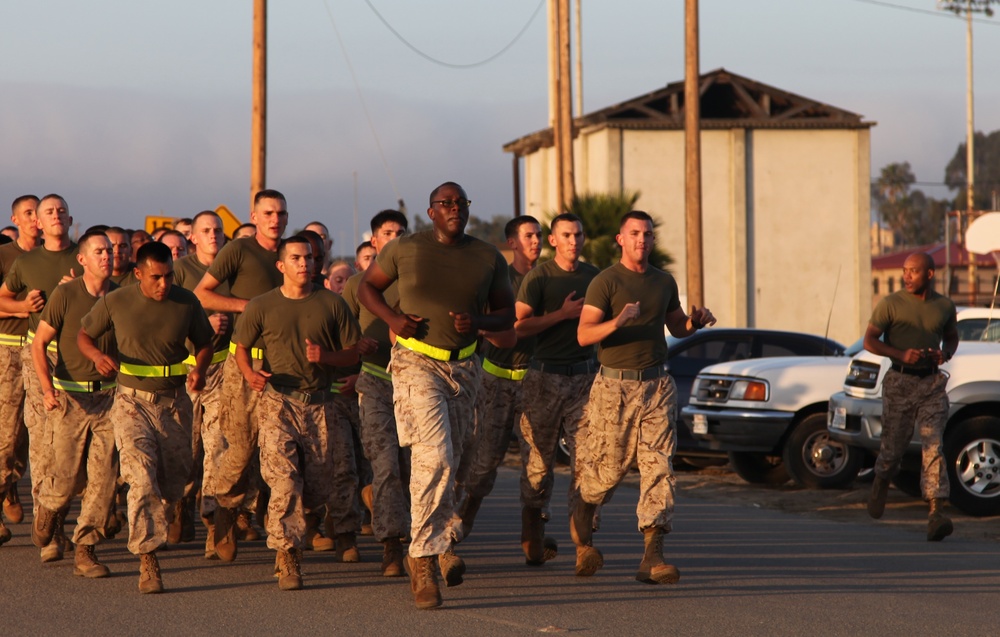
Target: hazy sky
132 108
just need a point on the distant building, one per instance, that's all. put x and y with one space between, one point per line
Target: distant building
786 196
883 240
887 274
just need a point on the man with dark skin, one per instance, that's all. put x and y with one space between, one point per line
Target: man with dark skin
435 376
914 321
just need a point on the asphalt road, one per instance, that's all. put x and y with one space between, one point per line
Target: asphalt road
744 571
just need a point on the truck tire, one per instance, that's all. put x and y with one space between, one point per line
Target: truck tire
758 468
972 454
816 461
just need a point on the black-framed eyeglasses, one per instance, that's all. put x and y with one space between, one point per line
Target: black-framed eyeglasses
448 203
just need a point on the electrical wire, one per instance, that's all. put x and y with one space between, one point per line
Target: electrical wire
932 12
451 65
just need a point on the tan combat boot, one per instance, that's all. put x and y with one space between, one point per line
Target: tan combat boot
392 558
149 574
880 491
581 527
12 508
5 533
44 526
368 498
174 529
938 526
314 539
245 530
347 547
423 582
532 536
210 553
289 570
225 533
85 563
652 569
452 568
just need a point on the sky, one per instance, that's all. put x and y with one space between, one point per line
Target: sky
130 108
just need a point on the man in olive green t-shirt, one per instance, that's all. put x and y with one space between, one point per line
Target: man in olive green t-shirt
914 321
632 409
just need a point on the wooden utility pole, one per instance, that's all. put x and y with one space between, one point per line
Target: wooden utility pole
258 118
578 24
561 99
692 156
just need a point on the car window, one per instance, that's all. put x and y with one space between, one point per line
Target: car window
978 329
708 351
769 348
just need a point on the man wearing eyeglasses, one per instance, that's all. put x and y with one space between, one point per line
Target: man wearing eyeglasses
445 279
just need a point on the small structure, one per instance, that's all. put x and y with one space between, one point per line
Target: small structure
785 196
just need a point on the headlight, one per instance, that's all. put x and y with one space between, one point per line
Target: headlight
748 390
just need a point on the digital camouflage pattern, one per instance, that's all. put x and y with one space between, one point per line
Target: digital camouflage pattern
239 423
630 421
208 443
12 431
498 412
910 402
39 437
434 404
343 506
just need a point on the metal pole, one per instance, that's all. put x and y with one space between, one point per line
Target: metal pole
970 204
258 117
692 159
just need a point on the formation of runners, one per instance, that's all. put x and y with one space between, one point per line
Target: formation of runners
252 382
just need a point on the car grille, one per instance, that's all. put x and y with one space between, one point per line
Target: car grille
712 389
862 374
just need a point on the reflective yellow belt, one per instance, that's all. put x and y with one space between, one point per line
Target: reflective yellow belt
83 387
255 352
52 347
376 371
335 387
503 372
153 371
437 353
13 340
217 357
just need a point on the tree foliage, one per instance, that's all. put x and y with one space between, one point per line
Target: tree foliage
914 218
986 179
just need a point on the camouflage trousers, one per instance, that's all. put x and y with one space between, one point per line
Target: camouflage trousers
83 446
434 403
236 481
343 508
39 438
13 435
389 462
630 421
207 441
498 412
295 462
154 446
908 403
551 402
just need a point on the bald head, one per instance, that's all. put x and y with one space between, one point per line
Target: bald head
920 260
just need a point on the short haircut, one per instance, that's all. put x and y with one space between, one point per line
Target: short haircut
434 193
319 250
245 226
362 246
297 239
636 214
117 230
928 261
53 195
186 220
317 223
566 216
387 216
172 233
20 200
268 194
340 262
207 213
514 225
98 228
88 235
155 252
6 228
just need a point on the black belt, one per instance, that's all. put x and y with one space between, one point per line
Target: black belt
649 373
919 372
573 369
307 397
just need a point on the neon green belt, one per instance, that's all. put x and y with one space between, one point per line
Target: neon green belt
255 352
13 340
437 353
53 347
376 371
335 387
217 357
153 371
83 387
503 372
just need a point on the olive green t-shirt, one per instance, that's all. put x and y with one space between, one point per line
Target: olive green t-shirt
42 269
127 278
910 322
545 289
8 254
248 268
372 326
436 278
149 332
67 306
511 357
282 325
188 272
640 343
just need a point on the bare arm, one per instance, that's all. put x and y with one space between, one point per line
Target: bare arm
212 300
44 334
202 358
256 379
527 324
594 329
681 325
10 306
370 289
105 365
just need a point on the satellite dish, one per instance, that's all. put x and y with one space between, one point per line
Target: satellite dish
983 235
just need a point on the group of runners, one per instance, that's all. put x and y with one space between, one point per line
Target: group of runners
250 380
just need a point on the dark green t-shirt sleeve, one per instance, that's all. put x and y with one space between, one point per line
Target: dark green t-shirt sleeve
350 294
55 309
388 259
530 292
201 332
98 319
227 262
250 325
599 294
882 315
347 325
14 282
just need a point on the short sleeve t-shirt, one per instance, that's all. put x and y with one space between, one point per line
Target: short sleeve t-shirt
910 322
247 267
126 278
150 332
372 326
436 278
640 343
512 357
282 325
188 272
8 254
67 306
42 269
545 289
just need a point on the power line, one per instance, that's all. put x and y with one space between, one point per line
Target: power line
931 12
451 65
